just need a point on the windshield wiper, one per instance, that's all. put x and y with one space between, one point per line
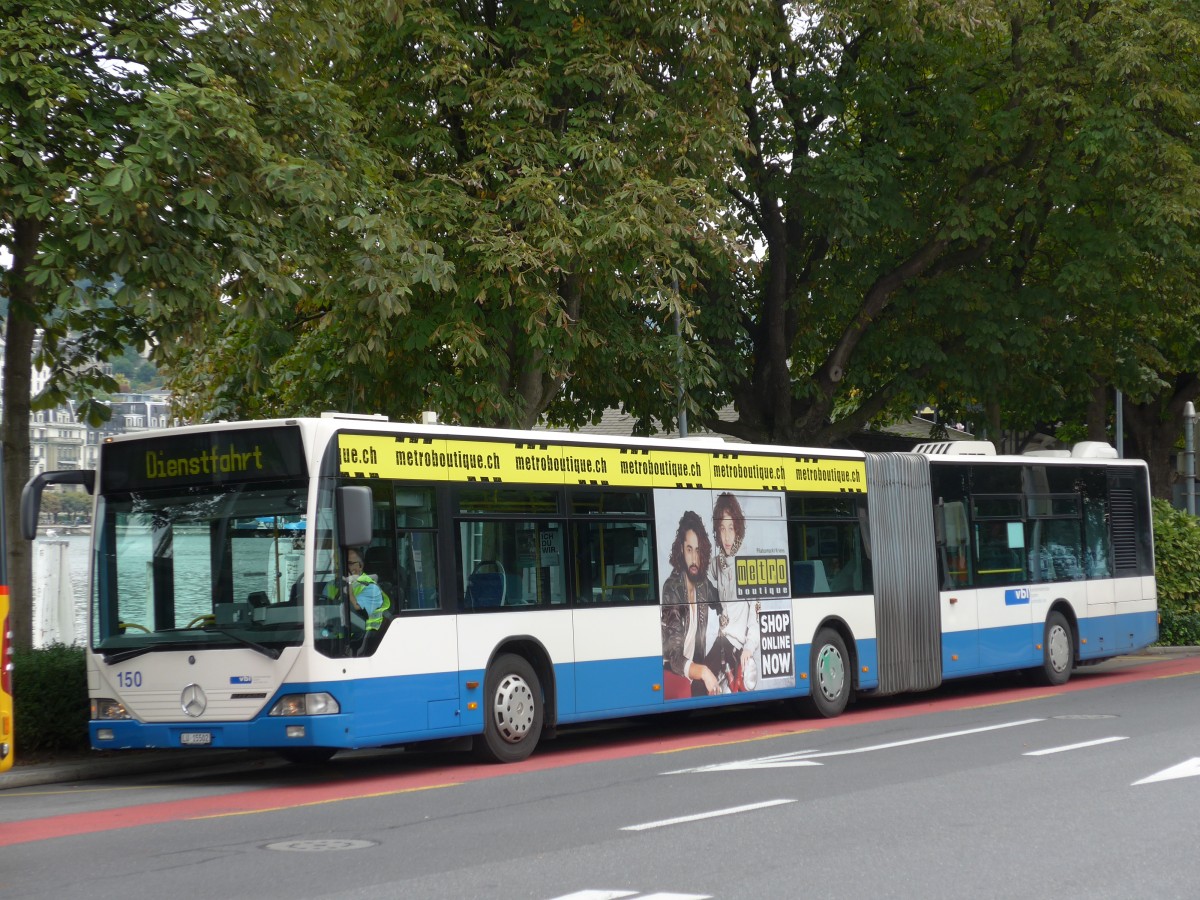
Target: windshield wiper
271 652
112 658
122 655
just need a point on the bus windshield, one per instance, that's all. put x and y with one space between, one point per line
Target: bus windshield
199 567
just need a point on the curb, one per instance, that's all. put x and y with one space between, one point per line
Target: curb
140 762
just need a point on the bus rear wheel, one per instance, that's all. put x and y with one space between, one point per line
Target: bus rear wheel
1058 650
512 712
829 675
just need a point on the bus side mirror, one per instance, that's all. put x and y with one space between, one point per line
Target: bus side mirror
355 507
31 494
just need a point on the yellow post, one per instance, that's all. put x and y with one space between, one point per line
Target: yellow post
6 673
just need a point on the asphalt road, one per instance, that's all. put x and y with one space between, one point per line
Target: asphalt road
989 789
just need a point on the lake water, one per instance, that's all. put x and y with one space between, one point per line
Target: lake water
254 567
77 562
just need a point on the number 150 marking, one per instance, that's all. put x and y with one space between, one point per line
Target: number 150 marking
129 679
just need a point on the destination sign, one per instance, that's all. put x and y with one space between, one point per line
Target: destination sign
434 459
204 458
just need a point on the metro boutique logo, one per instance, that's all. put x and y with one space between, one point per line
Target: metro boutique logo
762 576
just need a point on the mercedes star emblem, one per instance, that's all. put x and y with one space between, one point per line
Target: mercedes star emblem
193 700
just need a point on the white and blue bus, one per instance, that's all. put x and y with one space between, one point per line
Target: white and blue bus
340 582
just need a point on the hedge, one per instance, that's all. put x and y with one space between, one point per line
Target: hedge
1177 568
50 701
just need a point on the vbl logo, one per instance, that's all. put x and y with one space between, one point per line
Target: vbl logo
1016 596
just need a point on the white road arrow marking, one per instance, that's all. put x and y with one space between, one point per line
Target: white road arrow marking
782 761
716 813
805 757
1096 743
1183 770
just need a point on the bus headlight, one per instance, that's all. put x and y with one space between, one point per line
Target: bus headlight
320 704
106 708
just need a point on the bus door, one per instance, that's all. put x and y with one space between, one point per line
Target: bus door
1005 602
411 660
960 599
616 620
960 631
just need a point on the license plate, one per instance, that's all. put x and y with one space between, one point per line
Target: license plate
196 737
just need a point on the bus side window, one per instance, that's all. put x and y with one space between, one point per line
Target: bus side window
609 563
841 564
416 579
955 539
999 547
1097 554
511 564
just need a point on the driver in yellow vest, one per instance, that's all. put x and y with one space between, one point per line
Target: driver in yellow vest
366 597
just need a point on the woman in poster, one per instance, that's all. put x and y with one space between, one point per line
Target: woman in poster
732 654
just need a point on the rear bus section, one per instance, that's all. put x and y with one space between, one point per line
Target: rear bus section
1043 561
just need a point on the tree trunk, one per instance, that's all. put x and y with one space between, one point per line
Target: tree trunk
18 366
1154 447
1153 430
14 431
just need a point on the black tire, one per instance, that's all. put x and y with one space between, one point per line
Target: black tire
1058 650
830 678
512 712
307 756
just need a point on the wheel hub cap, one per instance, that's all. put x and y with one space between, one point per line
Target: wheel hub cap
831 672
513 708
1059 649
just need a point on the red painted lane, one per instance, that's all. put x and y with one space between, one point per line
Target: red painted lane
268 799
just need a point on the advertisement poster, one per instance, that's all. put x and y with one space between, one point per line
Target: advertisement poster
726 608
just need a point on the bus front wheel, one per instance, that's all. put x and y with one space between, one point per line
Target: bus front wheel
512 711
1058 650
829 675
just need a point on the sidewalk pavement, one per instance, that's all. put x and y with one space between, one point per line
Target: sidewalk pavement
113 764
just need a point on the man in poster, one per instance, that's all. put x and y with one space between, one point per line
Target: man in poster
686 596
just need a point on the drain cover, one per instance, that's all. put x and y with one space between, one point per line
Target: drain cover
320 846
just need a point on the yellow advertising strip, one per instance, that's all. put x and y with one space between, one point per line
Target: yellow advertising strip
436 459
828 475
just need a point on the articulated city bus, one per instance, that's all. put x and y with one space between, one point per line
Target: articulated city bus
340 582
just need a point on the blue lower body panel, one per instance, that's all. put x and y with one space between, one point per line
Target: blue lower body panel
1019 646
387 711
374 712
